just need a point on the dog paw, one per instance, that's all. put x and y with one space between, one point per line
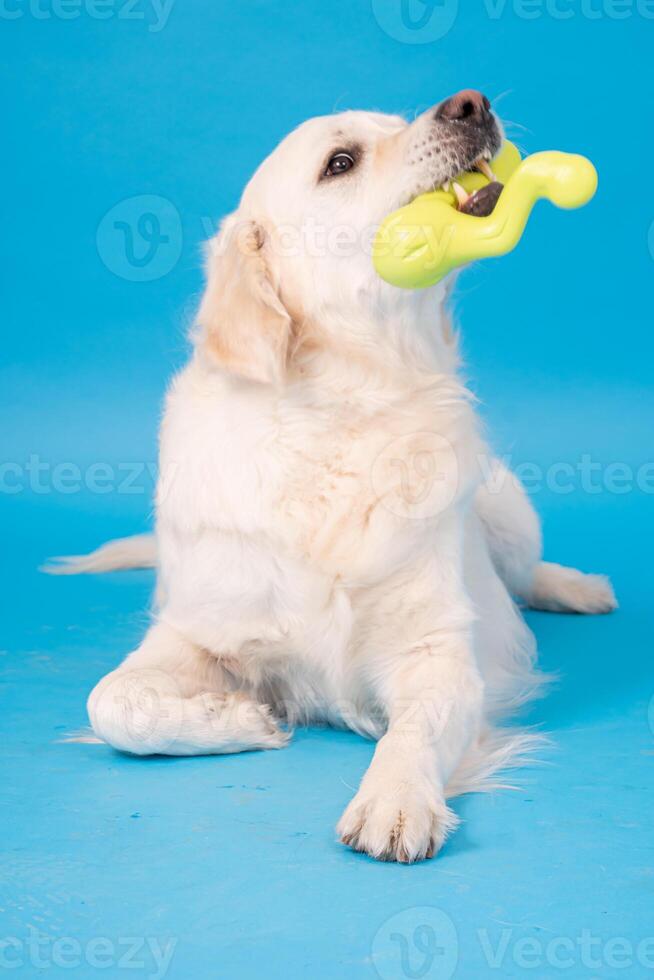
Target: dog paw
560 589
271 735
246 723
407 825
594 594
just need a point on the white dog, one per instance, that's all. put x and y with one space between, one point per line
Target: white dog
327 548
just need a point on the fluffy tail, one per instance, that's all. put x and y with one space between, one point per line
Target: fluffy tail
139 551
497 751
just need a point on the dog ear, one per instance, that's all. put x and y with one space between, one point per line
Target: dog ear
244 324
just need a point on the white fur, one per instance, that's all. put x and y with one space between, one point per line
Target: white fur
326 548
138 551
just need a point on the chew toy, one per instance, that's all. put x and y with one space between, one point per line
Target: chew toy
419 244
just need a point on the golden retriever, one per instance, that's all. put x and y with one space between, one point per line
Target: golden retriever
329 547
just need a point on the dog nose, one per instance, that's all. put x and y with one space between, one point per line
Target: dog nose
467 105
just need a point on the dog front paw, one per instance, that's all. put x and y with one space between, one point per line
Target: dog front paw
243 723
259 727
406 825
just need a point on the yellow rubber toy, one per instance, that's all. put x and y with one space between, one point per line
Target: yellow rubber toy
419 244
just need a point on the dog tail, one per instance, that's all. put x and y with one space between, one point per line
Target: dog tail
486 764
138 551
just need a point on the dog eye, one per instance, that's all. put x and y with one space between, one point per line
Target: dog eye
338 164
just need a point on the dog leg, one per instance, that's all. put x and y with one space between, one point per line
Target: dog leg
556 588
514 539
399 812
170 697
433 694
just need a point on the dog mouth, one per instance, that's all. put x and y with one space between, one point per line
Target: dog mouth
481 201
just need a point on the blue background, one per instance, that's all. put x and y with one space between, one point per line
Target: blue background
235 858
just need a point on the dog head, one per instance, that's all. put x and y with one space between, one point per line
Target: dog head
295 259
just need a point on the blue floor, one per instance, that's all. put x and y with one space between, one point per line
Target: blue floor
234 861
228 867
